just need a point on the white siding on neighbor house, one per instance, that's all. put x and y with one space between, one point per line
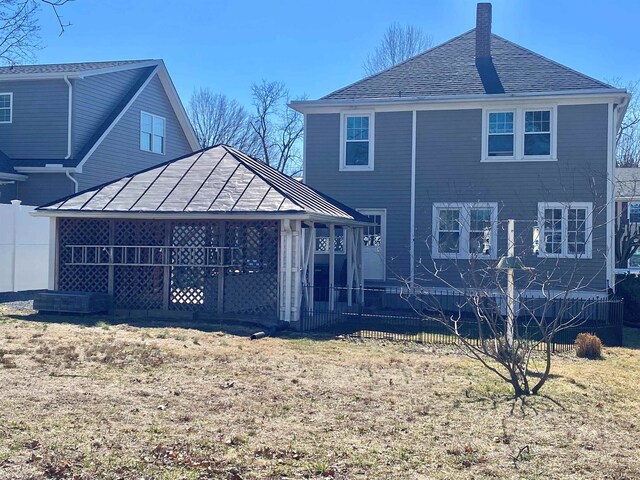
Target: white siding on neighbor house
119 154
94 100
24 249
39 125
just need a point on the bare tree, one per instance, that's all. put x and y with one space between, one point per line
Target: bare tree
218 119
20 29
278 128
628 138
398 44
510 332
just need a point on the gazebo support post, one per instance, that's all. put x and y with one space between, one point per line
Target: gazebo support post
296 269
349 237
308 265
223 253
332 264
166 274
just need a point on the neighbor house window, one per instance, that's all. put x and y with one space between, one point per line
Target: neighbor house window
565 229
522 134
464 230
357 144
501 136
634 212
6 107
152 133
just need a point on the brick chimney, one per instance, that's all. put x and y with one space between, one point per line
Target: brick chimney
483 31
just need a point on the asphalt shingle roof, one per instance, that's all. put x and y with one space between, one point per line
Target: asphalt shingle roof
64 67
219 179
450 69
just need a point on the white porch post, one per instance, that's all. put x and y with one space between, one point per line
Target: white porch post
332 264
359 272
296 269
285 269
308 264
53 254
348 244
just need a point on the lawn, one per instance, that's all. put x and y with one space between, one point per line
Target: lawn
124 402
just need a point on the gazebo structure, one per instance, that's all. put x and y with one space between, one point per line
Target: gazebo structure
215 231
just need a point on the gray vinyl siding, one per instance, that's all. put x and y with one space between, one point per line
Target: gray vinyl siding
388 186
449 170
119 154
39 125
8 192
95 98
41 188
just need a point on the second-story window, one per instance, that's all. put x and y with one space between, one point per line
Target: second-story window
6 106
152 133
519 134
500 141
357 144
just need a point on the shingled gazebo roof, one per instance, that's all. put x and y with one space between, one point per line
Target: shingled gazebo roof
215 182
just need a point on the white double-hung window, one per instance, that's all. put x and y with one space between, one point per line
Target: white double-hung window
464 230
152 133
356 149
565 229
519 134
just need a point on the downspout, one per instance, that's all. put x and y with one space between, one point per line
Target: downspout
69 109
75 182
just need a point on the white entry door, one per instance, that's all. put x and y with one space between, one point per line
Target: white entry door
374 244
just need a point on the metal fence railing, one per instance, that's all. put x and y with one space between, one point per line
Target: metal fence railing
385 313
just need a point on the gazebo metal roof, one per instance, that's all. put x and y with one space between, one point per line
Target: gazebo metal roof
218 181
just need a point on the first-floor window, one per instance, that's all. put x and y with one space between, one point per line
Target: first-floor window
464 230
565 229
634 212
152 133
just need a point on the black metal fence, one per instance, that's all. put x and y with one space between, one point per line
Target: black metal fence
389 313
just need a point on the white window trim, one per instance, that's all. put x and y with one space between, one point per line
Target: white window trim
464 219
10 106
343 139
565 236
518 129
383 233
164 133
629 211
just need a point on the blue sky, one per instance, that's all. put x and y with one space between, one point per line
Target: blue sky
317 47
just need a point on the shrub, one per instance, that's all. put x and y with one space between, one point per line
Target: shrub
588 346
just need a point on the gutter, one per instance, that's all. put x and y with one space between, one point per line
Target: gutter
75 182
69 117
301 105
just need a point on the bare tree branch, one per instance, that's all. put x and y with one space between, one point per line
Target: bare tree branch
398 44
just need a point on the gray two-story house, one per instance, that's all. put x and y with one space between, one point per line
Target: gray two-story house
68 127
444 148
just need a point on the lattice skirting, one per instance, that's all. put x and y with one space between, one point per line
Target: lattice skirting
245 284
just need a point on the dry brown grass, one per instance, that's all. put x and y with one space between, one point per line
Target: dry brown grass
119 402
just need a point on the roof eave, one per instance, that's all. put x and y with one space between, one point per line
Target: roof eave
304 106
78 74
304 216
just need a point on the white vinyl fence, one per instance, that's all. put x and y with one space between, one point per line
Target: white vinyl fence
24 249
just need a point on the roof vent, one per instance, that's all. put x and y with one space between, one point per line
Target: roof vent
483 30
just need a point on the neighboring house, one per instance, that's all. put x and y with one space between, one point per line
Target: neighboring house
68 127
627 220
442 149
